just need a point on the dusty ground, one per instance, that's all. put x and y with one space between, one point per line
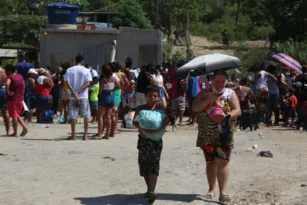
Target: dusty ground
42 169
202 46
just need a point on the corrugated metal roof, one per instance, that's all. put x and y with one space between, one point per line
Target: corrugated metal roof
8 53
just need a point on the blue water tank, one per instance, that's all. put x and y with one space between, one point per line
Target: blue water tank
61 13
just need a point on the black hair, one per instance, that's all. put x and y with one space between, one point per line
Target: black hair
243 81
10 68
152 88
291 90
79 59
21 57
65 66
304 68
86 65
129 62
220 72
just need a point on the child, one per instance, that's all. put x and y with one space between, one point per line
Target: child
150 149
292 103
15 87
94 100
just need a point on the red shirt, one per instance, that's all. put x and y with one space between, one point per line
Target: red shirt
41 89
292 101
17 87
174 81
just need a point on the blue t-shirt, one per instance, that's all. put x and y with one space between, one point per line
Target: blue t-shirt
23 68
193 88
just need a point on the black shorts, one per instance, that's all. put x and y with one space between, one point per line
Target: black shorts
41 101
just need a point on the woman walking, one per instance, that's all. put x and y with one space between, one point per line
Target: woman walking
215 108
15 87
107 86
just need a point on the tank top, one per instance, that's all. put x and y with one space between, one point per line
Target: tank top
40 88
273 88
17 87
108 86
262 81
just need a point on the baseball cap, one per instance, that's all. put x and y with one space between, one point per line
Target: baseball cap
32 71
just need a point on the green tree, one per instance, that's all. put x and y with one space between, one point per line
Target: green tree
131 14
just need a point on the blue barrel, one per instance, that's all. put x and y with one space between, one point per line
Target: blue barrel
61 13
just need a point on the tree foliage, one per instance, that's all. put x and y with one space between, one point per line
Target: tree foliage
131 14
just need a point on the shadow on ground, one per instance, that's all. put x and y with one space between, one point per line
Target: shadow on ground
138 199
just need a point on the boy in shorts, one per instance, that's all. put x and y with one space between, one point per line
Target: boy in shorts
94 100
150 150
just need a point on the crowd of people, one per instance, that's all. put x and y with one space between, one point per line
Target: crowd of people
158 97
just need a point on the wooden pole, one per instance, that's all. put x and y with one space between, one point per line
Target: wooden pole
187 30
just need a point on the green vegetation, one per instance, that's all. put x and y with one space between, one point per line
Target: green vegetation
242 19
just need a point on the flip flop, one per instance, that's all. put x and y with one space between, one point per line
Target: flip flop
24 133
210 196
224 198
152 197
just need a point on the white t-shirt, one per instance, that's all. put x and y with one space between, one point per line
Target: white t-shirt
262 81
94 73
77 76
158 80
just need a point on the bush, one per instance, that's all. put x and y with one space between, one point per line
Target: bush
261 32
167 51
180 56
249 56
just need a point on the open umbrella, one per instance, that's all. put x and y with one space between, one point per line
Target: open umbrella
209 63
288 61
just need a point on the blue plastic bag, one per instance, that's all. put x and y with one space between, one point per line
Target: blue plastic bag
152 120
49 114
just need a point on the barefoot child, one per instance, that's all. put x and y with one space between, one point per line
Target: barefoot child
150 142
94 100
15 87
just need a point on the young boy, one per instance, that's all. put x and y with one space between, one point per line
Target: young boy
15 87
150 150
292 103
94 100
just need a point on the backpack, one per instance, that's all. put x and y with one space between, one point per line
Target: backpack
182 85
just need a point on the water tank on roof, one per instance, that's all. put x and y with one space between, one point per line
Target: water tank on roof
61 13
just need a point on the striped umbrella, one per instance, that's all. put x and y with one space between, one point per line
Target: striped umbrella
288 61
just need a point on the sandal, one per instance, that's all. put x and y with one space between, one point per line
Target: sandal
210 196
224 198
151 197
24 133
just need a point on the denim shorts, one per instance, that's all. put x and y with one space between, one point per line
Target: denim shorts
94 105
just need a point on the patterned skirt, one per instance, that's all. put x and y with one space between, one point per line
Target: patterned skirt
149 156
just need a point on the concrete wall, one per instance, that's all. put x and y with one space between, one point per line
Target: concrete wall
58 45
130 41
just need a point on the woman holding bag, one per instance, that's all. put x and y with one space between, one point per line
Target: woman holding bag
217 108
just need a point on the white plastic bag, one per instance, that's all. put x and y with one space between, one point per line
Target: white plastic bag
129 119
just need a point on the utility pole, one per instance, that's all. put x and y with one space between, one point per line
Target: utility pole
157 13
187 30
